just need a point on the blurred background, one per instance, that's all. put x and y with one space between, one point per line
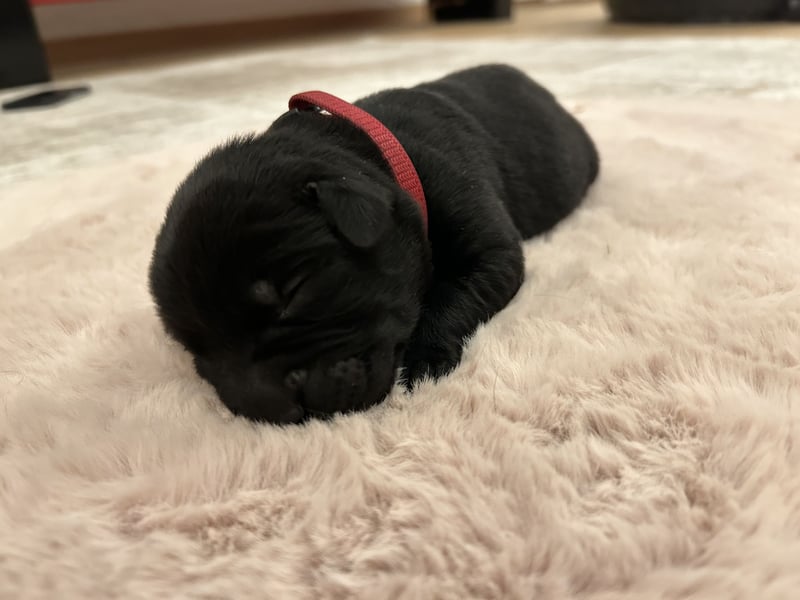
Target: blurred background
87 84
63 38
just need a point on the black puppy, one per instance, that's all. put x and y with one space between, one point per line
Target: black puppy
301 276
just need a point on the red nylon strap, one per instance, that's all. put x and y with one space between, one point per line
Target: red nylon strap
391 149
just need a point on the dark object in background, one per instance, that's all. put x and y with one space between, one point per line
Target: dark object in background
46 98
459 10
701 11
22 57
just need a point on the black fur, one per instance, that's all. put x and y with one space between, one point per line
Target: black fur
298 273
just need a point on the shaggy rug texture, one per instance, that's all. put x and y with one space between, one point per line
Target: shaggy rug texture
627 428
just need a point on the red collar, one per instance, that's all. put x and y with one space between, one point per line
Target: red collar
391 149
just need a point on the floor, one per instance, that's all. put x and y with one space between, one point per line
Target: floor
147 102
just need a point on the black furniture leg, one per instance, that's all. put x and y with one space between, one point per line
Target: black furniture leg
22 57
701 11
461 10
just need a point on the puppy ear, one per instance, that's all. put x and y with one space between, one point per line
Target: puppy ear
360 211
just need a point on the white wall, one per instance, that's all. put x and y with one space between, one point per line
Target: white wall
62 21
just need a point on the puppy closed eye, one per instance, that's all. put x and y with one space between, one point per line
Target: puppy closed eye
293 296
267 295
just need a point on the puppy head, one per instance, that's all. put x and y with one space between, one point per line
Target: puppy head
294 282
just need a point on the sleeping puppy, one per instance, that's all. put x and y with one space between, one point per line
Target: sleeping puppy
302 277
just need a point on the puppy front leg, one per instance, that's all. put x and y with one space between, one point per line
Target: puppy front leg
459 300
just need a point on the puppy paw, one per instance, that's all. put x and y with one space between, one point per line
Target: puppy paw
431 361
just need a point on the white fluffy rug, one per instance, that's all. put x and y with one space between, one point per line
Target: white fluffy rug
627 428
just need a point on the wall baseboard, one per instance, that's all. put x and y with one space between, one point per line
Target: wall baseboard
77 56
106 17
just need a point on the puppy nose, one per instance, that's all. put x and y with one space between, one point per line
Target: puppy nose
296 379
292 414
